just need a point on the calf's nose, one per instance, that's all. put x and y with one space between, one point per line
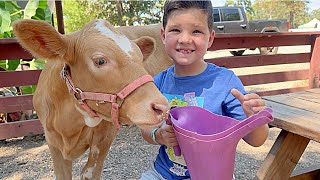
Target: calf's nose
162 110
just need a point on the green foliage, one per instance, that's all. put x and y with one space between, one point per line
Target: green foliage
118 13
294 10
42 11
28 89
11 11
35 64
76 15
9 65
315 14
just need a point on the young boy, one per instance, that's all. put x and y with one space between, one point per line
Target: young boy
187 33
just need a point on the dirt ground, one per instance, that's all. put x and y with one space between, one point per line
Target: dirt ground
28 158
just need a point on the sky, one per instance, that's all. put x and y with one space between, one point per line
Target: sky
314 4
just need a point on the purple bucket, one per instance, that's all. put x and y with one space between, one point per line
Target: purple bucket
208 141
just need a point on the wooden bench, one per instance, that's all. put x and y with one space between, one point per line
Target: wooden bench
309 77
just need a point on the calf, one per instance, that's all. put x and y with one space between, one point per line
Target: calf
93 81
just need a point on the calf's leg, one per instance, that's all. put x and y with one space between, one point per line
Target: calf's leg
97 154
62 167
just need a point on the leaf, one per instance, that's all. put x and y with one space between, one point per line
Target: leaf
39 14
11 6
7 34
43 12
35 64
28 89
14 9
13 64
3 64
5 21
48 15
31 9
42 4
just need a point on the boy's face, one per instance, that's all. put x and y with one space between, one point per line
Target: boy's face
187 36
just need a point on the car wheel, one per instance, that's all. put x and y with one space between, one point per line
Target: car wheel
268 50
237 53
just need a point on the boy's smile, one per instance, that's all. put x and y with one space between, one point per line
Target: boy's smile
185 51
187 38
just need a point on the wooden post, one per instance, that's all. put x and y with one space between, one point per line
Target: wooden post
59 16
314 73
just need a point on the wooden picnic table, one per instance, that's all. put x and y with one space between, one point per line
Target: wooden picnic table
298 116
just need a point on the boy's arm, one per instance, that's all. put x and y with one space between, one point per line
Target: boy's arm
164 135
146 134
258 136
251 104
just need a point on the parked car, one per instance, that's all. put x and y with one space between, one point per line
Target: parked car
231 19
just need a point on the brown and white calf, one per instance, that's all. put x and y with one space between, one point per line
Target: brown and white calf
93 81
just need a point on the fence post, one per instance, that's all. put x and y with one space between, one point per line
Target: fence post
314 73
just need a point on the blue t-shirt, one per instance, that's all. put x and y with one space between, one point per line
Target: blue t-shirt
212 91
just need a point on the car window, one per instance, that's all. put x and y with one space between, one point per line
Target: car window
216 15
230 14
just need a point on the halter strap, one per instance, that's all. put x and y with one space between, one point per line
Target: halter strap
116 100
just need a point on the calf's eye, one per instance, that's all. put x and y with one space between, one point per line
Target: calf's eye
100 61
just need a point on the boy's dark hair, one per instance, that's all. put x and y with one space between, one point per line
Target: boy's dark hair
172 5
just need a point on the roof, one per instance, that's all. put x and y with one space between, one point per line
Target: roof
314 23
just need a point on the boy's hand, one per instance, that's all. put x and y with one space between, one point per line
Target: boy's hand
251 103
165 135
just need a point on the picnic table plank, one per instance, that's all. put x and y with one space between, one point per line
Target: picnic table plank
316 90
295 120
297 101
307 96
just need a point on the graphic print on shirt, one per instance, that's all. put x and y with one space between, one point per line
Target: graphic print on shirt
180 101
179 170
188 99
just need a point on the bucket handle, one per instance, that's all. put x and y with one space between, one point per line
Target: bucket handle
176 149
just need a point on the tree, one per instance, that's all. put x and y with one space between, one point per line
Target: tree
315 14
118 12
246 4
298 12
294 10
76 15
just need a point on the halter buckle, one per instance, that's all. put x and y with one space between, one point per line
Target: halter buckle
120 101
77 95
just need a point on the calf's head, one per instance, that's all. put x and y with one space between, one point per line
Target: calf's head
102 61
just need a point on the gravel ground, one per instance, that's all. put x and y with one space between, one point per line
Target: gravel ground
28 158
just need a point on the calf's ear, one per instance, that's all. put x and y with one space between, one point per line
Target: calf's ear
146 45
40 38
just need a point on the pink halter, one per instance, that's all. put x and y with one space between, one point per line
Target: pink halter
116 100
